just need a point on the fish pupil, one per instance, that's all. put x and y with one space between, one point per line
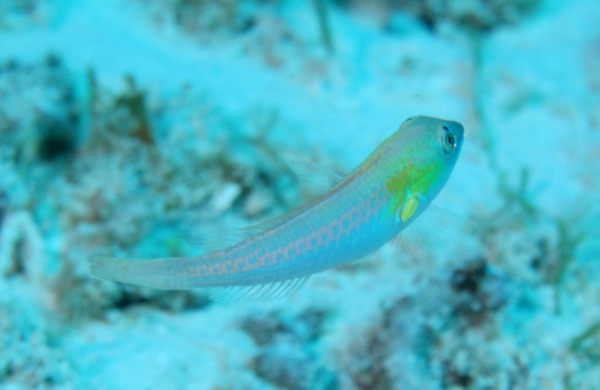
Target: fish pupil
451 140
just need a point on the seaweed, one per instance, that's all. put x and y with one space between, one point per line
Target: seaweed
568 241
320 7
587 343
551 257
134 101
109 116
519 199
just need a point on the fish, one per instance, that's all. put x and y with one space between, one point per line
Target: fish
361 213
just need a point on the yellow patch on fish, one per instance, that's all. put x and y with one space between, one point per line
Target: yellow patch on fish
410 208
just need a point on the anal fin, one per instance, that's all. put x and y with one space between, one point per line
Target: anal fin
257 292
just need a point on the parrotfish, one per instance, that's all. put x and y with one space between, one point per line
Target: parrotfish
361 213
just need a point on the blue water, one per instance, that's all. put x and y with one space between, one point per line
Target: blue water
152 129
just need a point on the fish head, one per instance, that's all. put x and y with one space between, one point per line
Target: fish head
430 140
420 156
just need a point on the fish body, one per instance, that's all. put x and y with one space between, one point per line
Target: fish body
360 214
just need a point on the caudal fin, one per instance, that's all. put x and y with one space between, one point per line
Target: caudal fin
156 273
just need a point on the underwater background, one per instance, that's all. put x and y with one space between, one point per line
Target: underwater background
150 128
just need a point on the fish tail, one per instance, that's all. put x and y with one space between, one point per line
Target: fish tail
156 273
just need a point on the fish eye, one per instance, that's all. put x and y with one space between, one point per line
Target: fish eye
448 140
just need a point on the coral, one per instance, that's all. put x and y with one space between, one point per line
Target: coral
156 202
205 19
26 338
145 168
372 353
39 111
480 292
22 248
285 358
435 322
257 28
15 14
155 199
474 14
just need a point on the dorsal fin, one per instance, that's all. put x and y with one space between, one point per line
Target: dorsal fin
220 238
314 173
304 171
